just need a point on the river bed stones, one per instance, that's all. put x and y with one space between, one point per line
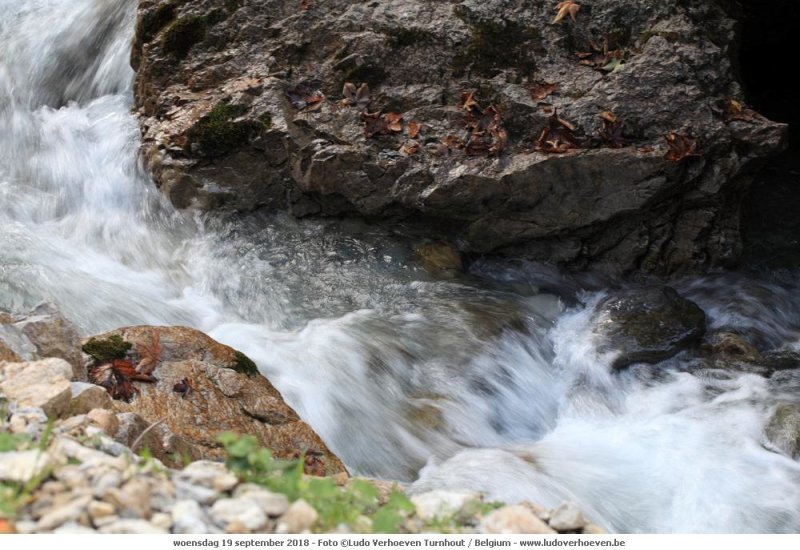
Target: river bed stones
647 325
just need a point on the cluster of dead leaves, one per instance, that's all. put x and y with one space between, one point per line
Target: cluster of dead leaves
681 147
382 124
567 8
118 376
486 135
557 137
602 58
541 89
392 123
305 98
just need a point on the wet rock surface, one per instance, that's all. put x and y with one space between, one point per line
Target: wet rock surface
647 325
244 106
220 392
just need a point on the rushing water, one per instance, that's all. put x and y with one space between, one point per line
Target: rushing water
492 380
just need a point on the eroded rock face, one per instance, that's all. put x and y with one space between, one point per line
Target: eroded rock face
647 325
221 132
222 397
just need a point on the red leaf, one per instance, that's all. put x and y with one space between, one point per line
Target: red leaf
681 147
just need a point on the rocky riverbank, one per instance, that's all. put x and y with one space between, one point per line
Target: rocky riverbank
140 448
611 134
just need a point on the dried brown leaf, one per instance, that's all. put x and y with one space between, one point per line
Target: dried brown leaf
149 353
541 89
394 121
681 147
566 8
410 147
304 98
413 129
557 137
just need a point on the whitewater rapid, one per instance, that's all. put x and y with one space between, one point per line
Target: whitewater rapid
489 382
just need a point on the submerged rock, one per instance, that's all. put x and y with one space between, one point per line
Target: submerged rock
245 107
647 325
783 429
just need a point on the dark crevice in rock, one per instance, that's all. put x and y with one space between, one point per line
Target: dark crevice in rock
770 225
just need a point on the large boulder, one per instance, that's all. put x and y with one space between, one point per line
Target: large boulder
647 325
243 105
203 388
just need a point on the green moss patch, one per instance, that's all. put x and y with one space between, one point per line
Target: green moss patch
182 34
245 365
218 133
104 351
400 37
497 45
151 23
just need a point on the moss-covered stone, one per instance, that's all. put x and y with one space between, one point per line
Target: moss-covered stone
401 37
215 16
103 351
151 22
182 34
497 45
265 118
218 133
245 365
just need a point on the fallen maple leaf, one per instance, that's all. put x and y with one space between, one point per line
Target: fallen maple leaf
557 137
468 102
611 132
413 129
358 97
681 147
394 121
117 378
376 123
565 8
541 89
149 353
410 148
304 98
453 142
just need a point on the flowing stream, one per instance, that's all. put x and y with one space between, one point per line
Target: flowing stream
491 381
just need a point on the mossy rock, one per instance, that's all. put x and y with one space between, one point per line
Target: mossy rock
182 34
108 349
245 365
401 37
151 22
218 133
497 45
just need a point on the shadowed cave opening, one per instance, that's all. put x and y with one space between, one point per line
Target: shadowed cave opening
771 210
